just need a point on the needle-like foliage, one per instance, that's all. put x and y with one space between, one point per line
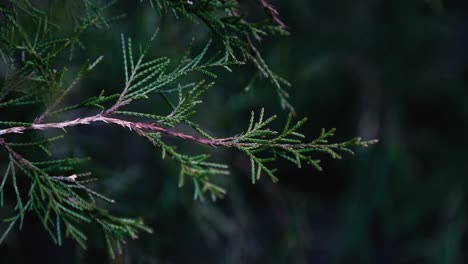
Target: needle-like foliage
239 37
56 190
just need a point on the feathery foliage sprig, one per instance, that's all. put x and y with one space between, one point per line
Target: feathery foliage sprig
54 189
238 36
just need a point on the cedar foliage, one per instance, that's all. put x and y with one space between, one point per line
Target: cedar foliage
34 55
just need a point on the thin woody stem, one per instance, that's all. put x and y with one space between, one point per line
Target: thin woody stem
140 127
271 12
103 118
15 155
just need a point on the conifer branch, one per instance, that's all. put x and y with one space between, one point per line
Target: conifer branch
236 33
55 190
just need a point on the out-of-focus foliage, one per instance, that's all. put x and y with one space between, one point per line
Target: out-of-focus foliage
393 70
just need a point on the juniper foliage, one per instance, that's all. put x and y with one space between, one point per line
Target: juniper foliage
56 190
239 37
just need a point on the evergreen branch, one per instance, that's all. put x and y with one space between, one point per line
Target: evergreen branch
256 139
56 193
223 19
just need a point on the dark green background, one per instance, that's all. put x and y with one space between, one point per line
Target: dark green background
392 70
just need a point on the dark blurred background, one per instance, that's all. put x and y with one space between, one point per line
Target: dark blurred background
392 70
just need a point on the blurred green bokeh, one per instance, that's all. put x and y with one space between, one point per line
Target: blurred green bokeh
392 70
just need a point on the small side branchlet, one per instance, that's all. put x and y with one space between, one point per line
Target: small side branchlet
239 37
